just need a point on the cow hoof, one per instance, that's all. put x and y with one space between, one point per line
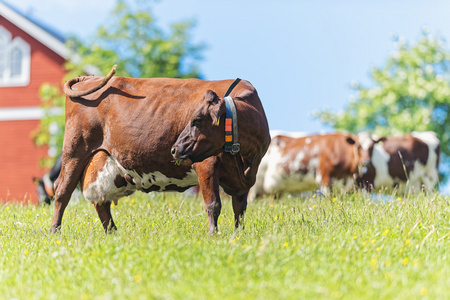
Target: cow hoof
111 230
54 230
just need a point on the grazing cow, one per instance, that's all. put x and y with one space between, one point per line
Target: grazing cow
294 165
45 185
119 134
408 163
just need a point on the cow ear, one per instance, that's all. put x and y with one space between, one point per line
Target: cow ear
216 106
351 141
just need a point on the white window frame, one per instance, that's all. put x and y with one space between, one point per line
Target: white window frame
6 80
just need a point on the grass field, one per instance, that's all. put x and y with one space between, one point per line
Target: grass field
340 246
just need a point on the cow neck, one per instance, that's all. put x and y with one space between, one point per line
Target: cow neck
231 123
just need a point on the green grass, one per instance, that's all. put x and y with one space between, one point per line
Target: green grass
340 246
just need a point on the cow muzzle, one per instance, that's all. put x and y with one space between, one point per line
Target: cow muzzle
364 167
178 159
366 162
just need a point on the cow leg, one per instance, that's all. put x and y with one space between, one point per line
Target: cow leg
104 212
208 177
325 182
239 207
64 187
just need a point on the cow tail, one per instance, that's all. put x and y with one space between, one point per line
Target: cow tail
71 93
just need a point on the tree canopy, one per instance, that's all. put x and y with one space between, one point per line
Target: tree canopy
132 39
410 92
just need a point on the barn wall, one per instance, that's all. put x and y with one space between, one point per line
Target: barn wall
19 157
18 161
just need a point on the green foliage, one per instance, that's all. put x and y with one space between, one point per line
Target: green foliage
411 92
131 39
342 246
50 131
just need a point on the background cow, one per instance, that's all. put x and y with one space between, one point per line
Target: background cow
406 163
301 164
45 185
119 133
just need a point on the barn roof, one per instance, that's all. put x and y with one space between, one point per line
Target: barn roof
38 30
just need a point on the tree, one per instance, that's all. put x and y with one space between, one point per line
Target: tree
411 92
132 40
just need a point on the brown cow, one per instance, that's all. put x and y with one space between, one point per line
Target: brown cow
407 163
118 139
294 165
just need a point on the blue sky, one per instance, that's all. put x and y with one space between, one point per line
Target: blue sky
301 56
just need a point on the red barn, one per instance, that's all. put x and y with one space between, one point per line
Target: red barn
30 54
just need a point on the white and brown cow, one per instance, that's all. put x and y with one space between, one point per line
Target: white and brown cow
298 164
407 163
120 135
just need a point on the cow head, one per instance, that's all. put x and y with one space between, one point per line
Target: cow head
368 142
366 175
203 136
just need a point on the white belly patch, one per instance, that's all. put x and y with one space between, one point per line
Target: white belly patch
106 187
